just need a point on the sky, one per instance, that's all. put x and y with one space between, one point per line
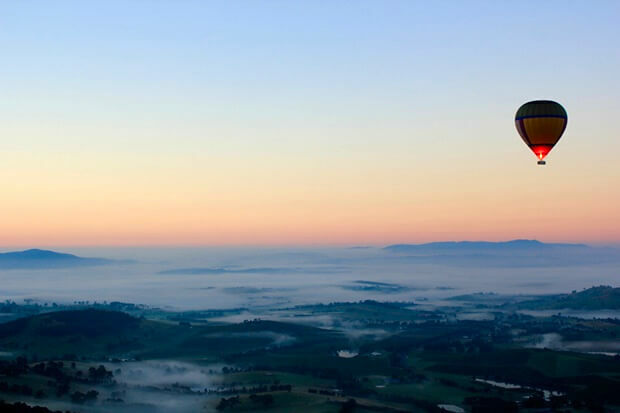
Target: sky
304 123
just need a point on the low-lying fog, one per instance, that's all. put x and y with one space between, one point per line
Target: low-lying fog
154 386
214 278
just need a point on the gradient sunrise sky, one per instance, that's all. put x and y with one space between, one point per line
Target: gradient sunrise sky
304 122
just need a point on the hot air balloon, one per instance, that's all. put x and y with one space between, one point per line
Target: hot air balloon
541 123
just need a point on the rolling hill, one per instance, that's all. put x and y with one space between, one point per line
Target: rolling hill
595 298
104 334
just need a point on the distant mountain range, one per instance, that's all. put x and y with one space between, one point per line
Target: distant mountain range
43 259
480 246
515 253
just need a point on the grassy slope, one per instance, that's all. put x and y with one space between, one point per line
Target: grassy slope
98 334
595 298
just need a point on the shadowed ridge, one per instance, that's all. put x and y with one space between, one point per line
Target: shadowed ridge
517 244
41 259
88 322
36 253
602 297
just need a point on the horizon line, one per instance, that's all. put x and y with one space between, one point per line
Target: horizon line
293 245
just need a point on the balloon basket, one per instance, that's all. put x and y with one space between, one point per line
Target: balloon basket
542 163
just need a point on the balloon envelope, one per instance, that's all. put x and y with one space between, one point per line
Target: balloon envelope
541 124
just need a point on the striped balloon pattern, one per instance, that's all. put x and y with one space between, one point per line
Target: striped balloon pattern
541 124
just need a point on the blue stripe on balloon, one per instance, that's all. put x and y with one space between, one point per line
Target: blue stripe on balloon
542 116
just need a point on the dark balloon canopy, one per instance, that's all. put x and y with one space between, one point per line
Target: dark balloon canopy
541 124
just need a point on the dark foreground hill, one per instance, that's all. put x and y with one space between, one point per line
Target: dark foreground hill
43 259
20 407
87 332
103 334
89 323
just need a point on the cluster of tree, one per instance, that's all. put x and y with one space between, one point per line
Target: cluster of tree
348 406
419 404
117 396
120 306
229 370
351 385
229 403
14 368
264 400
29 304
402 324
325 392
52 369
200 315
281 387
14 388
477 345
383 304
22 389
491 405
62 388
407 375
100 374
256 389
79 397
577 402
8 306
20 407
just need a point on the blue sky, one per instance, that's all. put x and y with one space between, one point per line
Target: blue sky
366 92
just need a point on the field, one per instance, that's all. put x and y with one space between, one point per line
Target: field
374 357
